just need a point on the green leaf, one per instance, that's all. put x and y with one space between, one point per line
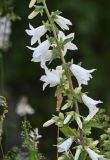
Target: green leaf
92 124
68 132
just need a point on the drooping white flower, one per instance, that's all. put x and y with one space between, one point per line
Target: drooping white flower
91 104
63 22
5 31
23 108
93 155
31 4
78 152
42 52
43 57
65 146
82 75
69 45
36 33
52 77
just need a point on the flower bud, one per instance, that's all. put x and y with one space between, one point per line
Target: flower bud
78 120
66 106
33 14
48 123
67 119
31 4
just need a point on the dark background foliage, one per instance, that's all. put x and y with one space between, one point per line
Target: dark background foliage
91 24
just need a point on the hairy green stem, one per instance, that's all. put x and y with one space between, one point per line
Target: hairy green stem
81 132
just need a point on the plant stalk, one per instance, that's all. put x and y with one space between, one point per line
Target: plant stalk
68 74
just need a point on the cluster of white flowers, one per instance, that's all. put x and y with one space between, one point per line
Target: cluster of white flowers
34 137
45 52
65 146
5 31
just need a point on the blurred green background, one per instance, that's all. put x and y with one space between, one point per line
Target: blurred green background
91 24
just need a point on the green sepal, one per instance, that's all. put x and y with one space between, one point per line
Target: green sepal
39 9
48 26
55 14
67 40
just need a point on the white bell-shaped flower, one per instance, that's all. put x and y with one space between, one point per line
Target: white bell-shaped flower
93 155
23 108
91 104
65 146
52 77
36 33
63 22
69 45
43 57
42 52
82 75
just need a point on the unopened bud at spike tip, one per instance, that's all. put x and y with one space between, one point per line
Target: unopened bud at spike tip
32 3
